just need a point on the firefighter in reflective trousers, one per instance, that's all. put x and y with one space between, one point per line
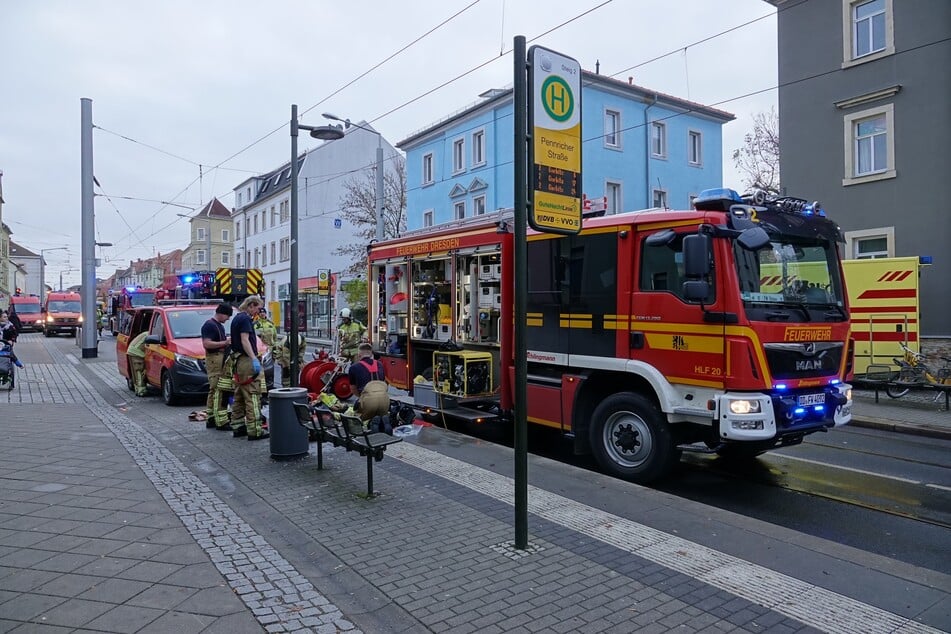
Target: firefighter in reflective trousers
350 332
246 411
136 354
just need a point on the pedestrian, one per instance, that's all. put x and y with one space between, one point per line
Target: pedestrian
350 333
136 354
246 411
216 343
282 356
368 379
14 318
8 332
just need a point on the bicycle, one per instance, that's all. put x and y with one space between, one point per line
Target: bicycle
913 371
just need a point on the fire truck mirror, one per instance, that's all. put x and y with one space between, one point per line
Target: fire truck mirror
697 256
753 239
696 290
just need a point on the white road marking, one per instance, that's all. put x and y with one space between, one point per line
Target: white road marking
809 604
835 466
938 486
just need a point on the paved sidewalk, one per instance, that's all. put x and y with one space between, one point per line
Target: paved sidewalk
118 515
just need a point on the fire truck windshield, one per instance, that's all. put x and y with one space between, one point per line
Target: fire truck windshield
793 273
139 298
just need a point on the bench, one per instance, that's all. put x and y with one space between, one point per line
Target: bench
338 429
880 377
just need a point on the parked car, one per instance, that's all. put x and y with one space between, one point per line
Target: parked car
174 355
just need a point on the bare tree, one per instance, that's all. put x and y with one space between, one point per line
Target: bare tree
758 159
358 206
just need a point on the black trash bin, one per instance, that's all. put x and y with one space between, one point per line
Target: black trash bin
288 438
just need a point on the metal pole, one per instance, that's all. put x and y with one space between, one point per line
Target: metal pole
208 239
521 295
379 188
90 335
295 327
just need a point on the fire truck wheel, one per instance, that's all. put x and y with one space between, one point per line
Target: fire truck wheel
168 390
630 438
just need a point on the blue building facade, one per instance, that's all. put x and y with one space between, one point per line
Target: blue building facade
640 149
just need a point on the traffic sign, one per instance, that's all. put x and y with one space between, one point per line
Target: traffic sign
554 118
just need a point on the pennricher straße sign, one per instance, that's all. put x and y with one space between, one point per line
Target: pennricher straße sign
554 155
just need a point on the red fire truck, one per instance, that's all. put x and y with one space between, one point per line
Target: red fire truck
121 302
648 333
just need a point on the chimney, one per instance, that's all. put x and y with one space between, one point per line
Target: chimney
630 80
597 67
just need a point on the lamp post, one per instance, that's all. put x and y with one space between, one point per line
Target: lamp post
43 272
207 237
379 169
326 133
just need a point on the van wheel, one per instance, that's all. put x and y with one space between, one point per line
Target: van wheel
47 333
168 390
631 439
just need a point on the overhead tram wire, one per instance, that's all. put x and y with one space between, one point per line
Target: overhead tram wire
335 92
481 65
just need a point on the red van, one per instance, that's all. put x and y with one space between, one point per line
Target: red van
174 354
28 309
63 313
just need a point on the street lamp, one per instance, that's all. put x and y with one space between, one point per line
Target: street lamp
43 271
379 169
207 236
325 133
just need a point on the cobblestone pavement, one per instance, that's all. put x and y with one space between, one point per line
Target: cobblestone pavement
301 550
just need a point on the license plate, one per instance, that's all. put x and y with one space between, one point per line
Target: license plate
812 399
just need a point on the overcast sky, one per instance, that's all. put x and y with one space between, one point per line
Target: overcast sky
210 83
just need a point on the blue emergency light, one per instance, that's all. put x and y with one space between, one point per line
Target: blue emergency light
188 279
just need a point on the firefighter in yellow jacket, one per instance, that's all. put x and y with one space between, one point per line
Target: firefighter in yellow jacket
350 333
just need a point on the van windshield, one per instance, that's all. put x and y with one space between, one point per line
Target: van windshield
27 309
186 324
65 307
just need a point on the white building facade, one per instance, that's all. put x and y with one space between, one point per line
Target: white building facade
262 228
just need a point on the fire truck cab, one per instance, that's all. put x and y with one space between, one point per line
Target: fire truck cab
648 332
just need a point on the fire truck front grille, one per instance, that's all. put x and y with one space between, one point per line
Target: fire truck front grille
803 360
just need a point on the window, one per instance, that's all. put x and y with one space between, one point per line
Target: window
257 256
612 192
226 235
694 148
660 199
478 147
200 256
612 129
200 233
428 218
458 156
239 200
662 269
225 258
459 210
659 139
869 145
263 254
249 194
255 223
478 205
237 259
273 293
285 249
273 216
263 219
427 169
247 227
273 253
867 30
870 243
285 211
237 230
